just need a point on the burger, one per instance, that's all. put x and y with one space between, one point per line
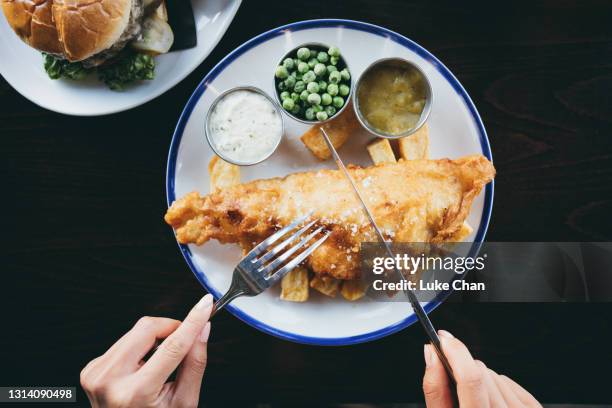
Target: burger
116 38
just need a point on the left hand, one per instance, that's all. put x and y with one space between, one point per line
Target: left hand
121 378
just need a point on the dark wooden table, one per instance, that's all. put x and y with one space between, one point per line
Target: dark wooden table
85 251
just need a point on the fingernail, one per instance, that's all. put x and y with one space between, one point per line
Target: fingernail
205 333
427 353
205 302
446 334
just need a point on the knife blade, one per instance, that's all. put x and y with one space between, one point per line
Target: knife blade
414 302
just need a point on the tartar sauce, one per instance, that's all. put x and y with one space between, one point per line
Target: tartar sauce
245 126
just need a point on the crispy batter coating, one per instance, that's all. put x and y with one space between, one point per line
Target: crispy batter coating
412 201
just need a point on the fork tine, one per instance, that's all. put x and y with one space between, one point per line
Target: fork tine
282 258
279 247
263 245
297 260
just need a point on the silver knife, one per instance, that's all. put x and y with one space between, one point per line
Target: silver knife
416 306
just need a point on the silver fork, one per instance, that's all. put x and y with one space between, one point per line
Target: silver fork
256 273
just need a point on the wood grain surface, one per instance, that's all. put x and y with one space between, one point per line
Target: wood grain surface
85 251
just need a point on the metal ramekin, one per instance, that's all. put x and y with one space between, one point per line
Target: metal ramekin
211 109
322 47
424 113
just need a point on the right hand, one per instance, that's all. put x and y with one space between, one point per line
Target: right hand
477 385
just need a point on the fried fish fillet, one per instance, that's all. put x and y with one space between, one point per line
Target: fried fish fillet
412 201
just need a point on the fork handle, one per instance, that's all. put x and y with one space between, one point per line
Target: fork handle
230 295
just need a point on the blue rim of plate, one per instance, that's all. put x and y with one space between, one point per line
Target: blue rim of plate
305 25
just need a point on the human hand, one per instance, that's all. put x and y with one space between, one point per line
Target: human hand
477 385
121 378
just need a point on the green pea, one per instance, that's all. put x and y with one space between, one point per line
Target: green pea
284 95
320 69
335 77
309 114
302 67
326 99
317 108
331 68
313 87
290 82
288 104
304 95
281 72
345 74
303 54
334 60
332 89
288 64
321 115
295 62
299 86
295 96
309 77
322 57
296 109
338 101
344 90
334 51
330 110
314 99
293 74
322 86
312 62
281 86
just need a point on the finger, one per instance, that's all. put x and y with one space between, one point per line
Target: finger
436 386
524 395
189 378
135 345
470 383
112 349
124 356
176 346
90 367
85 378
496 399
520 395
508 393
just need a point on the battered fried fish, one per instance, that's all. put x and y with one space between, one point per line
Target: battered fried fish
412 201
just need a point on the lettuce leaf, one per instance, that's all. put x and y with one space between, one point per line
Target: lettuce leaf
57 68
127 67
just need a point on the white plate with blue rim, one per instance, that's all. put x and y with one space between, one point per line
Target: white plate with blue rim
455 130
22 67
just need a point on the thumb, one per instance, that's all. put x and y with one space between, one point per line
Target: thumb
191 371
435 382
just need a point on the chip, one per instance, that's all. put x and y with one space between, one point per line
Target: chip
415 146
353 289
381 152
338 129
294 285
222 174
326 285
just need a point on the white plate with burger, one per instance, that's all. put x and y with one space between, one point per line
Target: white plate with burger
108 55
